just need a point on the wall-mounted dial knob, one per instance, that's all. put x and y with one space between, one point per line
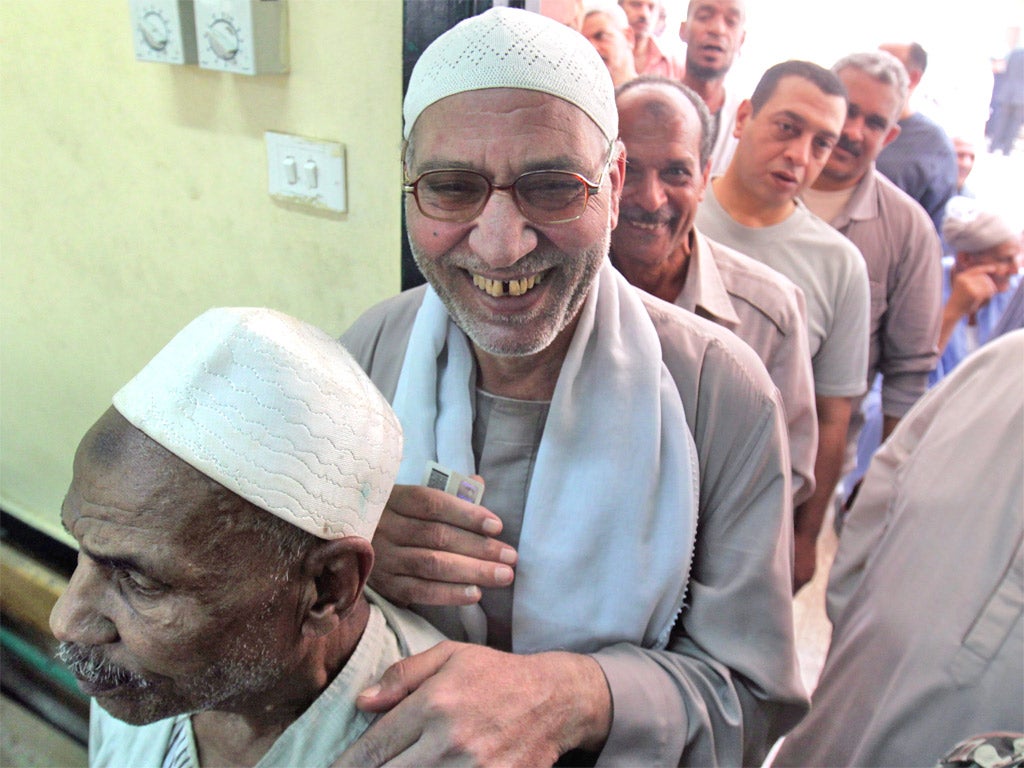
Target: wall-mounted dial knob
246 37
223 39
154 30
164 31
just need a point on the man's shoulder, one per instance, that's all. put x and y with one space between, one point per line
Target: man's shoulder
395 309
696 349
383 321
413 633
819 236
902 214
769 291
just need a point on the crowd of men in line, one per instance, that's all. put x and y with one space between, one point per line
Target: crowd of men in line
649 346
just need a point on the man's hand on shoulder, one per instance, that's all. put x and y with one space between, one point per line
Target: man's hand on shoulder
457 702
433 548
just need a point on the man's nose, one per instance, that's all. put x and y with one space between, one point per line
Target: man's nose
77 616
853 131
799 150
501 235
716 24
647 191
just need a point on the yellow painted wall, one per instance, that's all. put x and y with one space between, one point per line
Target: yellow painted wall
133 196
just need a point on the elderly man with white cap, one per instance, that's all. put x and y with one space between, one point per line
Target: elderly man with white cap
629 567
976 281
223 509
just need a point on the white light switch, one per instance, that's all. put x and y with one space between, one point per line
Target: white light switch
164 31
306 171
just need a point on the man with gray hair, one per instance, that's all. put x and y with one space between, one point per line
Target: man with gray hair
977 282
223 509
898 243
635 459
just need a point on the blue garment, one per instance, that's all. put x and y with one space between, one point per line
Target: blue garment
1005 312
1013 315
987 319
922 162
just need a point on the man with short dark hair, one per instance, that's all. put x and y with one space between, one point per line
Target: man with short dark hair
608 30
893 234
714 31
223 509
648 55
786 131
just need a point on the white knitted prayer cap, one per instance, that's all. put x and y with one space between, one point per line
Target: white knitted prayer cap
513 48
276 411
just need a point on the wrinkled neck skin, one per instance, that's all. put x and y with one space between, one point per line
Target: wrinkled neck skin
242 736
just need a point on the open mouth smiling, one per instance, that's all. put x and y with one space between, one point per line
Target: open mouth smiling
498 288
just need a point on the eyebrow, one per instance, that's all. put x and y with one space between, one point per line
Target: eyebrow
119 562
560 163
797 118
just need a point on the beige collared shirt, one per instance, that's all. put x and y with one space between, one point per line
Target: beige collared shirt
766 310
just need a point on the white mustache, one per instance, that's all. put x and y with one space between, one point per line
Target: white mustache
89 663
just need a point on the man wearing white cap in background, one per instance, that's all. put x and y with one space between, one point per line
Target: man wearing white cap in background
223 509
976 282
647 624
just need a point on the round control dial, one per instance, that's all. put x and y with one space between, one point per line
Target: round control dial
223 38
155 31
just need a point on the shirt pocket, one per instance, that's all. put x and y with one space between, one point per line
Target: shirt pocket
998 617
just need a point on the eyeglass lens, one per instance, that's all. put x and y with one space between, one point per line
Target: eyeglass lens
542 196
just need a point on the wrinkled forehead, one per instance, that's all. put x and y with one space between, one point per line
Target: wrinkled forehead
493 121
124 477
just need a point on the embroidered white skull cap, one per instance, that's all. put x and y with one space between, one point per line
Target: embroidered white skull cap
513 48
277 411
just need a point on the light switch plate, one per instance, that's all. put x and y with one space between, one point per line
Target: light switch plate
247 37
164 31
306 171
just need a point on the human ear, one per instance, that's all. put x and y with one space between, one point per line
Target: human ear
336 573
891 136
743 113
616 177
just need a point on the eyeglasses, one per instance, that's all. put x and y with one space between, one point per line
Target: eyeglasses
543 197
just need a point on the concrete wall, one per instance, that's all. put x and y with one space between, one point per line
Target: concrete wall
133 197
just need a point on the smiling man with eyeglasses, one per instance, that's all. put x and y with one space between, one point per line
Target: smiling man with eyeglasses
631 554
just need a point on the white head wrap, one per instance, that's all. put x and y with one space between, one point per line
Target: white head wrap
512 48
968 228
276 411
